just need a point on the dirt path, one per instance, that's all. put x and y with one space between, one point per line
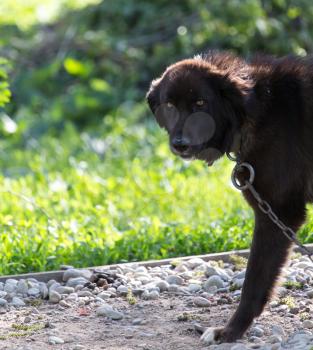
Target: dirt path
163 324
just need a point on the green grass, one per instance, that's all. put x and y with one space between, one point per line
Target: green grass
114 193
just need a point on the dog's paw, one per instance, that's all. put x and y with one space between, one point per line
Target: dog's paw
212 336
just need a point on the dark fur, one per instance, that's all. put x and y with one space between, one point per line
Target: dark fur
268 103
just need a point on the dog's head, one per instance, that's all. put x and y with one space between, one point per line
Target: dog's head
200 106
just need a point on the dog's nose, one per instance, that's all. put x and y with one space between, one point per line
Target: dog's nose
180 144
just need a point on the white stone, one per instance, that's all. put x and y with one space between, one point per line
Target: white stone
213 281
54 297
64 290
22 287
173 279
193 287
108 311
55 340
73 282
162 285
201 302
33 292
74 273
307 324
17 302
195 262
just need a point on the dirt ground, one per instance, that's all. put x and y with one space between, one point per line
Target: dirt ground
166 324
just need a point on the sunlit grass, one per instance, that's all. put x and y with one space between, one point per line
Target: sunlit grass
110 195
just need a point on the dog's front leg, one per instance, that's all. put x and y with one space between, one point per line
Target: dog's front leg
268 254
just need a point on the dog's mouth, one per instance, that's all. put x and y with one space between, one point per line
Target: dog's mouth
207 154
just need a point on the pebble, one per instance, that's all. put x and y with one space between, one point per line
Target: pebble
162 285
278 330
84 293
275 338
55 340
54 297
17 302
201 302
194 262
3 302
307 324
196 282
33 292
153 295
75 281
173 279
257 332
108 311
74 273
193 287
213 281
122 290
21 287
64 290
104 295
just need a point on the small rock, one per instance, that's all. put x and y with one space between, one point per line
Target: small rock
193 287
84 293
64 290
146 295
137 321
33 292
54 297
213 281
21 287
64 303
274 339
104 295
216 271
78 347
162 285
108 311
74 273
307 324
278 330
238 347
173 288
194 262
73 282
55 340
309 293
201 302
43 290
257 332
238 282
27 319
17 302
294 310
3 302
122 290
173 279
10 285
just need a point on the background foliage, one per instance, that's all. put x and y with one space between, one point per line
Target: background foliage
86 175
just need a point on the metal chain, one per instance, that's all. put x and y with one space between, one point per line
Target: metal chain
263 205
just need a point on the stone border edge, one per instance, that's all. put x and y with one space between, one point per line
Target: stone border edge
57 275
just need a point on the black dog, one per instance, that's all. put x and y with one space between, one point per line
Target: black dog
263 110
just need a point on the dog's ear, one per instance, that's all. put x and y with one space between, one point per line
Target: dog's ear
153 95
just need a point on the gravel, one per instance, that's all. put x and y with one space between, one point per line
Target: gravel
201 291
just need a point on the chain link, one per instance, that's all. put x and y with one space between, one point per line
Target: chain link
263 205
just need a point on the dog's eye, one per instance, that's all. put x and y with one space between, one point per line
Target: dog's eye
169 105
200 103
